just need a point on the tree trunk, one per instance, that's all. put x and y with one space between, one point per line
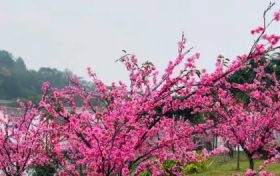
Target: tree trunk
251 162
238 158
231 152
250 157
216 141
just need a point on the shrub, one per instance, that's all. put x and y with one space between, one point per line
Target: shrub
195 167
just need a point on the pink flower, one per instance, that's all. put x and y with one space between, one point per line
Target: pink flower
277 15
45 86
257 30
125 171
250 172
255 94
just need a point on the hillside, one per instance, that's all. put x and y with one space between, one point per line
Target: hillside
16 81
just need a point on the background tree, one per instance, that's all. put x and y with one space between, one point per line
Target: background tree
16 81
244 99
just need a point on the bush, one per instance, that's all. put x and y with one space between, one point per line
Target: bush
45 170
195 167
145 173
168 165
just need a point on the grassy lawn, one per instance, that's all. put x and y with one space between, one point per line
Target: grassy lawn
222 165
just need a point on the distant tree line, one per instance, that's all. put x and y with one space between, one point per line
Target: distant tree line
16 81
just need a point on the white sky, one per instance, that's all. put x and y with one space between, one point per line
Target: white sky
77 34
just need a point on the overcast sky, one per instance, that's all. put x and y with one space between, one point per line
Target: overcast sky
77 34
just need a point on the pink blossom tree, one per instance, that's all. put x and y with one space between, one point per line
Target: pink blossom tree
21 140
120 129
246 110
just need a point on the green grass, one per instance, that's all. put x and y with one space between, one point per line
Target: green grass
224 166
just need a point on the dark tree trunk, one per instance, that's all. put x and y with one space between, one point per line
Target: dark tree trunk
231 152
251 163
250 158
238 158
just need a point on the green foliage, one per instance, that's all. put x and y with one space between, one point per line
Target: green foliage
248 74
16 81
168 165
145 173
243 76
189 168
45 170
195 167
80 170
241 96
